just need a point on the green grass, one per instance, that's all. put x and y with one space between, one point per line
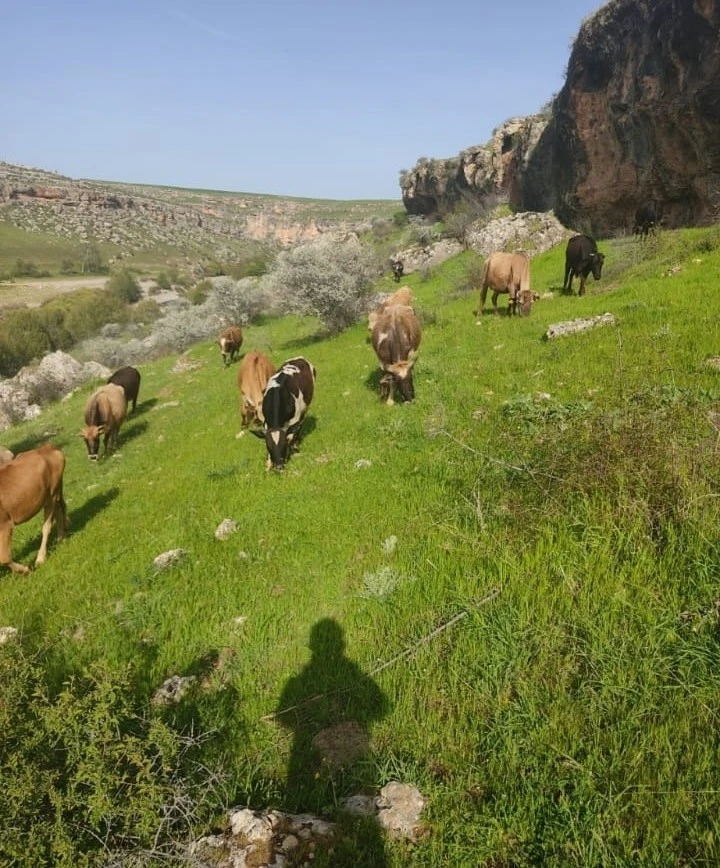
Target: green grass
573 719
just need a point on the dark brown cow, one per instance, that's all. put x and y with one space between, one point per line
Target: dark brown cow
582 258
647 218
507 273
253 375
230 340
129 379
287 396
104 414
398 269
395 339
30 482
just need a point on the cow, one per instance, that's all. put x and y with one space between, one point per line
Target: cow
129 379
105 412
32 481
398 269
287 396
254 372
510 273
581 258
395 339
647 218
400 296
230 340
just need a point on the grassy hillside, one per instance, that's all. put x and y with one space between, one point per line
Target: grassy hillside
569 719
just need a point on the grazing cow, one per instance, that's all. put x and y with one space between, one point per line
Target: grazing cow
31 481
129 379
647 218
510 273
400 296
104 414
395 339
581 258
254 372
398 269
287 396
231 340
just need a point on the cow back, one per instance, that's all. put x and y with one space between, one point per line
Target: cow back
396 334
106 406
253 375
129 379
291 386
26 481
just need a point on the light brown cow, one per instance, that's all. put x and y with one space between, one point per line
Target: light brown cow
31 481
395 339
230 340
403 295
105 412
5 455
510 273
254 372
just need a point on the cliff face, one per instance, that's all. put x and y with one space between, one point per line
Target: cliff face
638 117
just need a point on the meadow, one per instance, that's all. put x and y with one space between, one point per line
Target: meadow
562 494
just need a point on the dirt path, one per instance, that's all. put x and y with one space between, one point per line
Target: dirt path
32 293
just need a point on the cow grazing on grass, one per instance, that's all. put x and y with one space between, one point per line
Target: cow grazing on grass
253 375
507 273
403 295
129 379
647 218
398 269
581 259
287 396
30 482
395 339
230 340
105 412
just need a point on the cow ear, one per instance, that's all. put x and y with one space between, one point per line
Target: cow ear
258 432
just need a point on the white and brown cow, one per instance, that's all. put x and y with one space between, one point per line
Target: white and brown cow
105 412
395 339
253 375
230 341
507 273
32 481
287 396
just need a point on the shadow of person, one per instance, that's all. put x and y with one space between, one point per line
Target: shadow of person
330 706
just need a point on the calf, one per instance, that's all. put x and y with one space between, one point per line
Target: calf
647 217
31 481
395 339
287 396
105 412
398 269
581 258
253 375
230 340
129 379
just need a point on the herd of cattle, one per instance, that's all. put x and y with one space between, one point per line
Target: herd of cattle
273 401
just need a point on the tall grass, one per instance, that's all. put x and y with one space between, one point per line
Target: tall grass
570 721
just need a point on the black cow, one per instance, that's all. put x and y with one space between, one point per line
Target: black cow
129 379
647 218
287 396
581 258
398 269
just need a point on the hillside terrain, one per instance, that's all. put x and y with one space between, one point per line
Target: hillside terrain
562 494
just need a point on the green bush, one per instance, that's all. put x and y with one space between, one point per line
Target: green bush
87 772
125 286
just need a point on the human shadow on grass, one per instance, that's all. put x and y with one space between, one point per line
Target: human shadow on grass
330 706
303 342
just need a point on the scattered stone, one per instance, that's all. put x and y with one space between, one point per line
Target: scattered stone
398 810
226 528
362 463
390 544
713 363
581 324
172 690
8 634
166 405
170 557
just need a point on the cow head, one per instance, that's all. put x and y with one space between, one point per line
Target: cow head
596 264
524 302
91 435
278 442
401 373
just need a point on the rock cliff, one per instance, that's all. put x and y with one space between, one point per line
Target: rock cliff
638 117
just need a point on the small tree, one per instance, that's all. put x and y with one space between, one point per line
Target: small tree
90 259
327 278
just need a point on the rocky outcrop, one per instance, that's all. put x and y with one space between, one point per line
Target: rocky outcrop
637 118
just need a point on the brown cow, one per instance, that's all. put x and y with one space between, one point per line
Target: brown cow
403 295
129 379
507 272
230 340
31 481
395 339
254 372
5 455
104 414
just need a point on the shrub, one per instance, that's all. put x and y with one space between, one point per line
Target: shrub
199 293
125 286
325 278
238 302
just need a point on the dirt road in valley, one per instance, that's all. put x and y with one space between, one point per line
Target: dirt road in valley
32 293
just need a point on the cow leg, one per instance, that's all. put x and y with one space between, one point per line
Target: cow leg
50 507
582 285
386 389
567 282
6 530
495 295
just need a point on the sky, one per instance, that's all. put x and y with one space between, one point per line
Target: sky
326 99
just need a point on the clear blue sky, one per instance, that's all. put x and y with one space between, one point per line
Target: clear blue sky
327 99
